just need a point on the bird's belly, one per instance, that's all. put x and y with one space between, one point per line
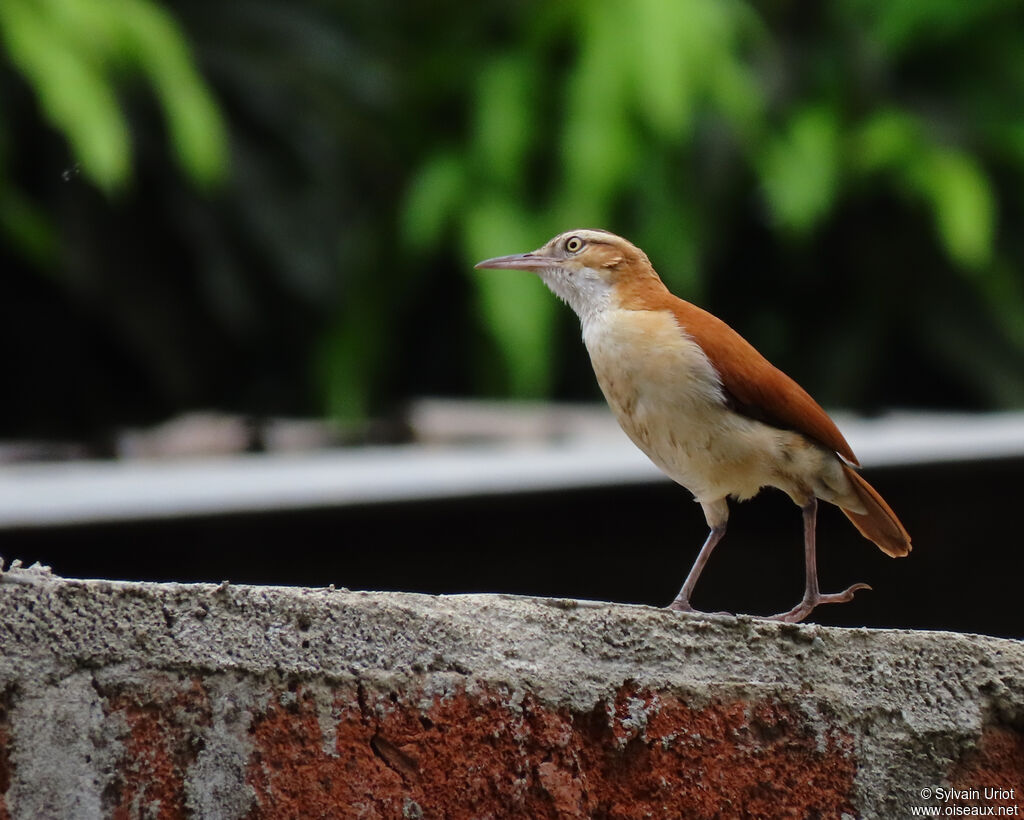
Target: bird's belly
668 399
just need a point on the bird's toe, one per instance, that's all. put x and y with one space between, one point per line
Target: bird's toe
808 604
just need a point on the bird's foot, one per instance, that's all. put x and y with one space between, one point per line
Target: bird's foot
679 605
807 605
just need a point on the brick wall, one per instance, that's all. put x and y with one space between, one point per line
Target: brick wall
158 700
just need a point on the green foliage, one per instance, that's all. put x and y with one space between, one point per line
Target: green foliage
839 181
612 121
75 55
72 52
949 180
645 115
800 169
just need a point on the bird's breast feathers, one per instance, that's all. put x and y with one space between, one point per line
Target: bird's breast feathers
644 357
667 396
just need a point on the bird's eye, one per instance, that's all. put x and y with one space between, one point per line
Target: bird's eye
573 244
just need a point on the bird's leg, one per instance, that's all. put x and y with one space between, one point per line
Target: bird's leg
682 600
717 515
812 596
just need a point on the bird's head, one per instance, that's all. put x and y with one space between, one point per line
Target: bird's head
584 267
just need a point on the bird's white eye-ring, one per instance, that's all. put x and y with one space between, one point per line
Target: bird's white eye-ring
573 244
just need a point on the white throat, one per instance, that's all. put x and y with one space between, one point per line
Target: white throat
583 290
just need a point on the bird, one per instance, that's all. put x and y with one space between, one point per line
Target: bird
704 405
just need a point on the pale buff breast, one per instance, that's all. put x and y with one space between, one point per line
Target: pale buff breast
668 399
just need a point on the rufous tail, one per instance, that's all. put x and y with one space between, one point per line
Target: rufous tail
879 523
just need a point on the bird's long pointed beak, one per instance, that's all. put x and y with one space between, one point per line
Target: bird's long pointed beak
517 261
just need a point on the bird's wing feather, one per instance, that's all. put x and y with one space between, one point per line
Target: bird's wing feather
753 386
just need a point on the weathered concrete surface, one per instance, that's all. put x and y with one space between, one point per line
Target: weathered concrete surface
160 700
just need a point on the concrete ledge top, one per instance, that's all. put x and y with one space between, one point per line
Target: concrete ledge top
567 651
240 701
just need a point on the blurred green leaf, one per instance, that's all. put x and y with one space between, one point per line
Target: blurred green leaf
430 202
198 133
800 169
598 144
885 141
952 183
684 54
515 306
1003 287
901 24
671 229
72 88
663 44
736 95
71 52
27 227
504 126
962 201
344 363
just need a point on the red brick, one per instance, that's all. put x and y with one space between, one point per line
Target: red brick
488 753
996 763
163 720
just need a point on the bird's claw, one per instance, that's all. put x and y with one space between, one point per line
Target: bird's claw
685 606
807 605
